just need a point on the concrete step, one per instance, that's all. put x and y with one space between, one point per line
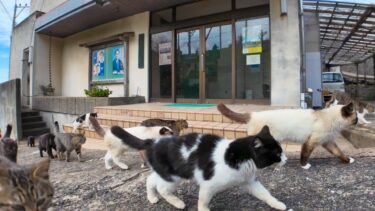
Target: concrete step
35 131
29 119
191 114
29 113
361 136
32 125
229 130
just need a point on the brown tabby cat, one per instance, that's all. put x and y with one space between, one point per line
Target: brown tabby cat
362 108
8 146
176 125
25 187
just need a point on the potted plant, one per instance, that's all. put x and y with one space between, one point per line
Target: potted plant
47 90
95 91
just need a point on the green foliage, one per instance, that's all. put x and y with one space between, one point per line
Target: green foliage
95 91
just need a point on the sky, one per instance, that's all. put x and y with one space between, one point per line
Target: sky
6 25
5 32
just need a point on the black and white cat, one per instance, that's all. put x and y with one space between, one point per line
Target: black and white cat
83 121
214 162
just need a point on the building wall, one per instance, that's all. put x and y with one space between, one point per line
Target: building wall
44 5
75 59
285 55
20 62
40 67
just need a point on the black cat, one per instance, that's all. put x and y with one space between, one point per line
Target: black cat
31 141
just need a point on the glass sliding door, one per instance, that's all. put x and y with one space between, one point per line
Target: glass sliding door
188 49
161 65
253 75
218 62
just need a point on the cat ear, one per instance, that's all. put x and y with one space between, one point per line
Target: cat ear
265 130
347 110
40 170
164 131
257 143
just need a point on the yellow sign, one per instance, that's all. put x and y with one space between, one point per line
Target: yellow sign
248 50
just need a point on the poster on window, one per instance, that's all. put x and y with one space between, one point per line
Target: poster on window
252 39
165 56
109 64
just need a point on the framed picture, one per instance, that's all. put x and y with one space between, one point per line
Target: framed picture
109 64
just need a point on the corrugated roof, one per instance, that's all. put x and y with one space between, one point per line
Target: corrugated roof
347 30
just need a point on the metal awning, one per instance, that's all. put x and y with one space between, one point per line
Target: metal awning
77 15
347 30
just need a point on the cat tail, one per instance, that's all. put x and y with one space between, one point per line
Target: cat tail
129 139
95 124
8 131
238 117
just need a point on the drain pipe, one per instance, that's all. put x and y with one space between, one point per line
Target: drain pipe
303 89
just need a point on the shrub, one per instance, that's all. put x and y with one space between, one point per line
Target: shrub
95 91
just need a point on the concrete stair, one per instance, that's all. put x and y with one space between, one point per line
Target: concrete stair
210 121
362 136
33 124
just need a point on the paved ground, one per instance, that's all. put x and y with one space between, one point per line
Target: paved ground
327 185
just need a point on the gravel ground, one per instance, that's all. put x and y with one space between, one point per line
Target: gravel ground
327 185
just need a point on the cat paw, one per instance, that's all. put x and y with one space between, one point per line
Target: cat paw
278 205
203 209
153 199
351 160
307 166
179 205
125 167
108 167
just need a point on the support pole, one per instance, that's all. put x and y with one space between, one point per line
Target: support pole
357 82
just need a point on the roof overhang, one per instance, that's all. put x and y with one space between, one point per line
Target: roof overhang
347 30
78 15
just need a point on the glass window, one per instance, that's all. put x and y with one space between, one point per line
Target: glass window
161 17
253 59
218 62
187 64
161 65
250 3
332 77
202 8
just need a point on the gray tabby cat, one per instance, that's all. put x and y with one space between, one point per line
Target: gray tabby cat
67 142
362 108
8 146
25 187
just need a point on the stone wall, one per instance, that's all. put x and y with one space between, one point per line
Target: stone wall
80 105
10 107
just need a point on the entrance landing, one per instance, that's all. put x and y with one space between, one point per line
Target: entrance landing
206 119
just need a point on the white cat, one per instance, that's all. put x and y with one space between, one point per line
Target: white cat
215 163
116 146
83 121
302 125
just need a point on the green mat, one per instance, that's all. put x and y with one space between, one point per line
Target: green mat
190 105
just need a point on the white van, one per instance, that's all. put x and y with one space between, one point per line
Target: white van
332 81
